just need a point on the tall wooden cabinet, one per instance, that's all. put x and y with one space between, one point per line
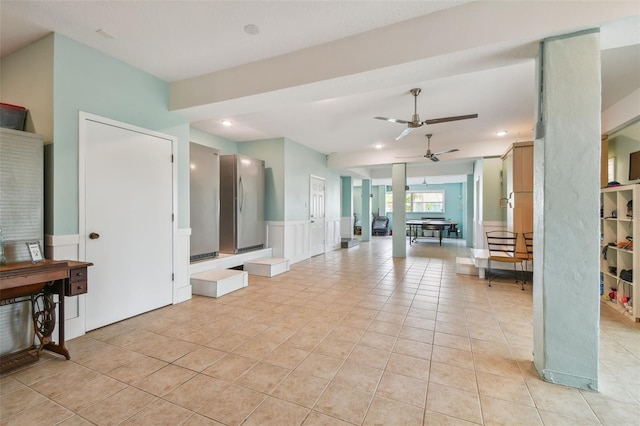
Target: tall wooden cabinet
618 259
517 175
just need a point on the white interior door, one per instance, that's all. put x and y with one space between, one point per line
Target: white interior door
128 223
316 215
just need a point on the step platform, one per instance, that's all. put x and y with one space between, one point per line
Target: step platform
349 242
464 265
267 266
218 282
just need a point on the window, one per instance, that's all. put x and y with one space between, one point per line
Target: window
419 202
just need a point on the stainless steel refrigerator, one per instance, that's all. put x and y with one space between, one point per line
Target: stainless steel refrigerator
205 201
241 204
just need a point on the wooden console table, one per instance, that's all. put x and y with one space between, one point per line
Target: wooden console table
37 283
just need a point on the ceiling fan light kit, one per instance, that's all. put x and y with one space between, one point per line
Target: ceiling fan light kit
415 118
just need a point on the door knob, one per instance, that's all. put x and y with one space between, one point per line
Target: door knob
94 236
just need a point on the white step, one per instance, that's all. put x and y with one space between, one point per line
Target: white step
464 265
349 242
267 266
218 282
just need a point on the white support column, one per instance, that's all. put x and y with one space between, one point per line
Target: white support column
399 224
566 304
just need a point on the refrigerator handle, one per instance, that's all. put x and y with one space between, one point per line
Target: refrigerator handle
242 196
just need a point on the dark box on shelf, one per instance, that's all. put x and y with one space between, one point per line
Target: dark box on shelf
12 116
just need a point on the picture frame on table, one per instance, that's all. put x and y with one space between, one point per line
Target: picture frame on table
35 251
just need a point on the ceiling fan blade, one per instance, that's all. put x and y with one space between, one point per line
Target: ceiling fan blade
404 133
413 156
434 158
446 152
393 120
446 119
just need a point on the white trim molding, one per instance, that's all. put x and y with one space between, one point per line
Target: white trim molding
61 247
488 226
332 229
66 247
181 279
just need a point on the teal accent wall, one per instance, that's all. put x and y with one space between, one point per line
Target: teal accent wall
90 81
455 204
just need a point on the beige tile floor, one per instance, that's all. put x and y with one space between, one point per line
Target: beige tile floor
350 337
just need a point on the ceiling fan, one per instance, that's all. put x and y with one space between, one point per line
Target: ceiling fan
415 119
432 155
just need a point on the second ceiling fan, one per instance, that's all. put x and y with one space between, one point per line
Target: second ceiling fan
415 119
432 155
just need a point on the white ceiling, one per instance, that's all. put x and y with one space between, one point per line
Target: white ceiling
312 76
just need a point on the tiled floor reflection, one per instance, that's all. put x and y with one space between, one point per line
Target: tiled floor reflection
350 337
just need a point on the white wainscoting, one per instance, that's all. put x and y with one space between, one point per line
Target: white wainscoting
181 278
346 227
333 233
488 226
291 240
66 247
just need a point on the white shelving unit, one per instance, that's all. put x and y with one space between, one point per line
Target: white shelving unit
619 227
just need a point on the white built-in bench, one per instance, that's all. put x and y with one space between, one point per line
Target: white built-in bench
481 261
267 266
218 282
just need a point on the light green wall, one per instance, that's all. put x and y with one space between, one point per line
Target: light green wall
272 152
346 196
289 166
492 190
469 211
26 79
90 81
332 185
621 144
378 204
357 202
83 79
77 78
214 141
300 163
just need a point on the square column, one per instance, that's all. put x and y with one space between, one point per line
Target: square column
566 302
399 221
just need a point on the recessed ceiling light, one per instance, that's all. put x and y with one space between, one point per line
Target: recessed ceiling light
226 123
501 133
104 34
378 146
251 29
